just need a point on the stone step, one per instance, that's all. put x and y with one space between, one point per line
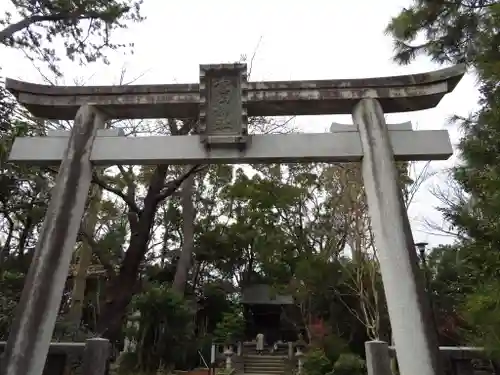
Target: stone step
264 369
266 356
270 363
264 362
267 352
264 365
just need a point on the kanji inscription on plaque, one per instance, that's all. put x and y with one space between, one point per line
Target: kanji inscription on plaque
222 104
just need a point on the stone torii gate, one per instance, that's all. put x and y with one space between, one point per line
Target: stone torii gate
221 103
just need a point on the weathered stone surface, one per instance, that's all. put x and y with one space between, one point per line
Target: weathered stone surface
409 311
61 354
377 358
337 127
100 133
222 118
395 94
272 148
96 356
31 331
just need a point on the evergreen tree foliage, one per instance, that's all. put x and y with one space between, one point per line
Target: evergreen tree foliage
467 31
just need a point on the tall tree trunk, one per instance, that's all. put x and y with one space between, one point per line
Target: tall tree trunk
196 275
23 238
4 251
80 280
188 217
121 288
168 213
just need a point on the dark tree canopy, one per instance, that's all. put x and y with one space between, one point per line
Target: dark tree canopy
452 30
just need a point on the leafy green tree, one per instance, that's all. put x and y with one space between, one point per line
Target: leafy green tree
142 214
349 364
482 312
449 269
165 323
316 362
11 284
85 27
455 31
231 328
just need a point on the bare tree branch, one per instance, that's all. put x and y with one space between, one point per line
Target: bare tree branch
130 203
172 186
10 30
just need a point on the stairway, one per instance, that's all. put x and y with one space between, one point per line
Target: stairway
265 364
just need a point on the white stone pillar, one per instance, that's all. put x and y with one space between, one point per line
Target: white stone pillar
409 312
31 331
300 361
213 354
290 350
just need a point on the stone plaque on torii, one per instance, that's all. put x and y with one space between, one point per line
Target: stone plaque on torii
221 103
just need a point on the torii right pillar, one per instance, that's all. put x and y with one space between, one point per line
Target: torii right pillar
411 319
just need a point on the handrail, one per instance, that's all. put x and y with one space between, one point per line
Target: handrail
455 352
58 347
203 359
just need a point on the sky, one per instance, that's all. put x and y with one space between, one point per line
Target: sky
284 40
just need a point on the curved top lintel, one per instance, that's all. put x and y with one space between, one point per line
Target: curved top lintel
452 75
270 98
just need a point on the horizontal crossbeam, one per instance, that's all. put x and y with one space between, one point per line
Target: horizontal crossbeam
274 98
336 127
340 146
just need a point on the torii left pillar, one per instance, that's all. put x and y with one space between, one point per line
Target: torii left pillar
36 314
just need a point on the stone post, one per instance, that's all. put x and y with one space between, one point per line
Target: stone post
96 356
239 349
228 353
213 354
462 367
36 313
290 350
411 321
300 361
377 358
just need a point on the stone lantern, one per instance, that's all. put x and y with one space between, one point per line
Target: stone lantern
228 352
